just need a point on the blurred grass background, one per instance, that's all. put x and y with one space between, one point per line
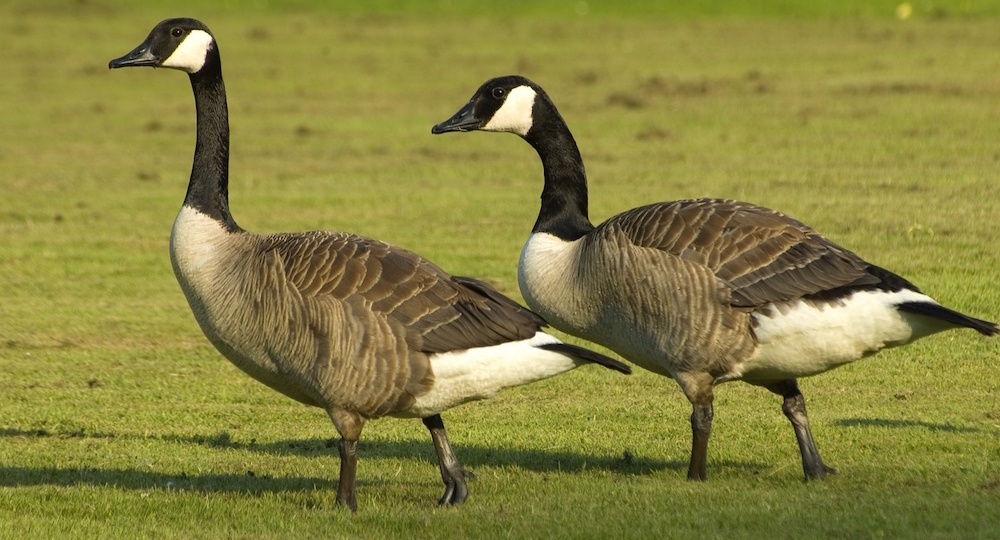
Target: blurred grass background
873 122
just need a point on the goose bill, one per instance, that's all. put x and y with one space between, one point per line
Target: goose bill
140 56
463 120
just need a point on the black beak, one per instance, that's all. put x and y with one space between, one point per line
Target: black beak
463 120
140 56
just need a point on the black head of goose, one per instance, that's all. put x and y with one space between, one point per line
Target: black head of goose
335 320
704 290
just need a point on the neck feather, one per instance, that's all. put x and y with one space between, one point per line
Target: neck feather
208 189
563 210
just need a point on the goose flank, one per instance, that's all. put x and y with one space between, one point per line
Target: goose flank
335 320
704 290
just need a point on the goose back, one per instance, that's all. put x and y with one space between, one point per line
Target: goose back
761 256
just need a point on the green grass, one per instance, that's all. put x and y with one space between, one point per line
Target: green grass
117 418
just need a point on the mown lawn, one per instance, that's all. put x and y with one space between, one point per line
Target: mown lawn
118 419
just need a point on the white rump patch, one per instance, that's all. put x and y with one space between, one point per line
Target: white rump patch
804 338
480 373
515 113
191 53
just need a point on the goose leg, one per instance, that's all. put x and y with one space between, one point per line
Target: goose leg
349 425
698 389
794 407
452 473
346 492
701 429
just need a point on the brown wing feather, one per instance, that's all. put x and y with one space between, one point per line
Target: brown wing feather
372 314
447 313
763 256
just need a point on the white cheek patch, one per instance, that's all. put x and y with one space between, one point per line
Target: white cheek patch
191 53
515 113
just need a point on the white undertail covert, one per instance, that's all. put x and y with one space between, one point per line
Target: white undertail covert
804 337
479 373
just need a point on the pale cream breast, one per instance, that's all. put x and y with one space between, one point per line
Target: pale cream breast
219 279
547 276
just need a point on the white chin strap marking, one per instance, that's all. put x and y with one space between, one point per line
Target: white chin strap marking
515 113
191 53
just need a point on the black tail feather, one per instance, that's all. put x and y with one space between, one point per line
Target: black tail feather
588 355
937 311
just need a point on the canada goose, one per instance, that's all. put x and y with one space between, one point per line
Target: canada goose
357 327
703 290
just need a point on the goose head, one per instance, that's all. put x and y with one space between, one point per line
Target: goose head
183 44
508 103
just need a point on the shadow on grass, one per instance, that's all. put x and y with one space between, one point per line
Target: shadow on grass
471 456
133 479
42 433
896 424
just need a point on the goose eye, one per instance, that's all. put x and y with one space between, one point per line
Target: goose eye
176 32
498 93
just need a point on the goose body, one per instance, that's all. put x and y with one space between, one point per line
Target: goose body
271 306
335 320
683 311
703 290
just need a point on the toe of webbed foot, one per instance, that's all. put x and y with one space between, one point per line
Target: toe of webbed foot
697 477
349 503
820 472
456 491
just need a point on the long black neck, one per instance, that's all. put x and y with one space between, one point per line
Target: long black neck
208 189
564 198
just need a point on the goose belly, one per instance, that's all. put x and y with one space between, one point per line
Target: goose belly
476 374
807 337
207 263
619 307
